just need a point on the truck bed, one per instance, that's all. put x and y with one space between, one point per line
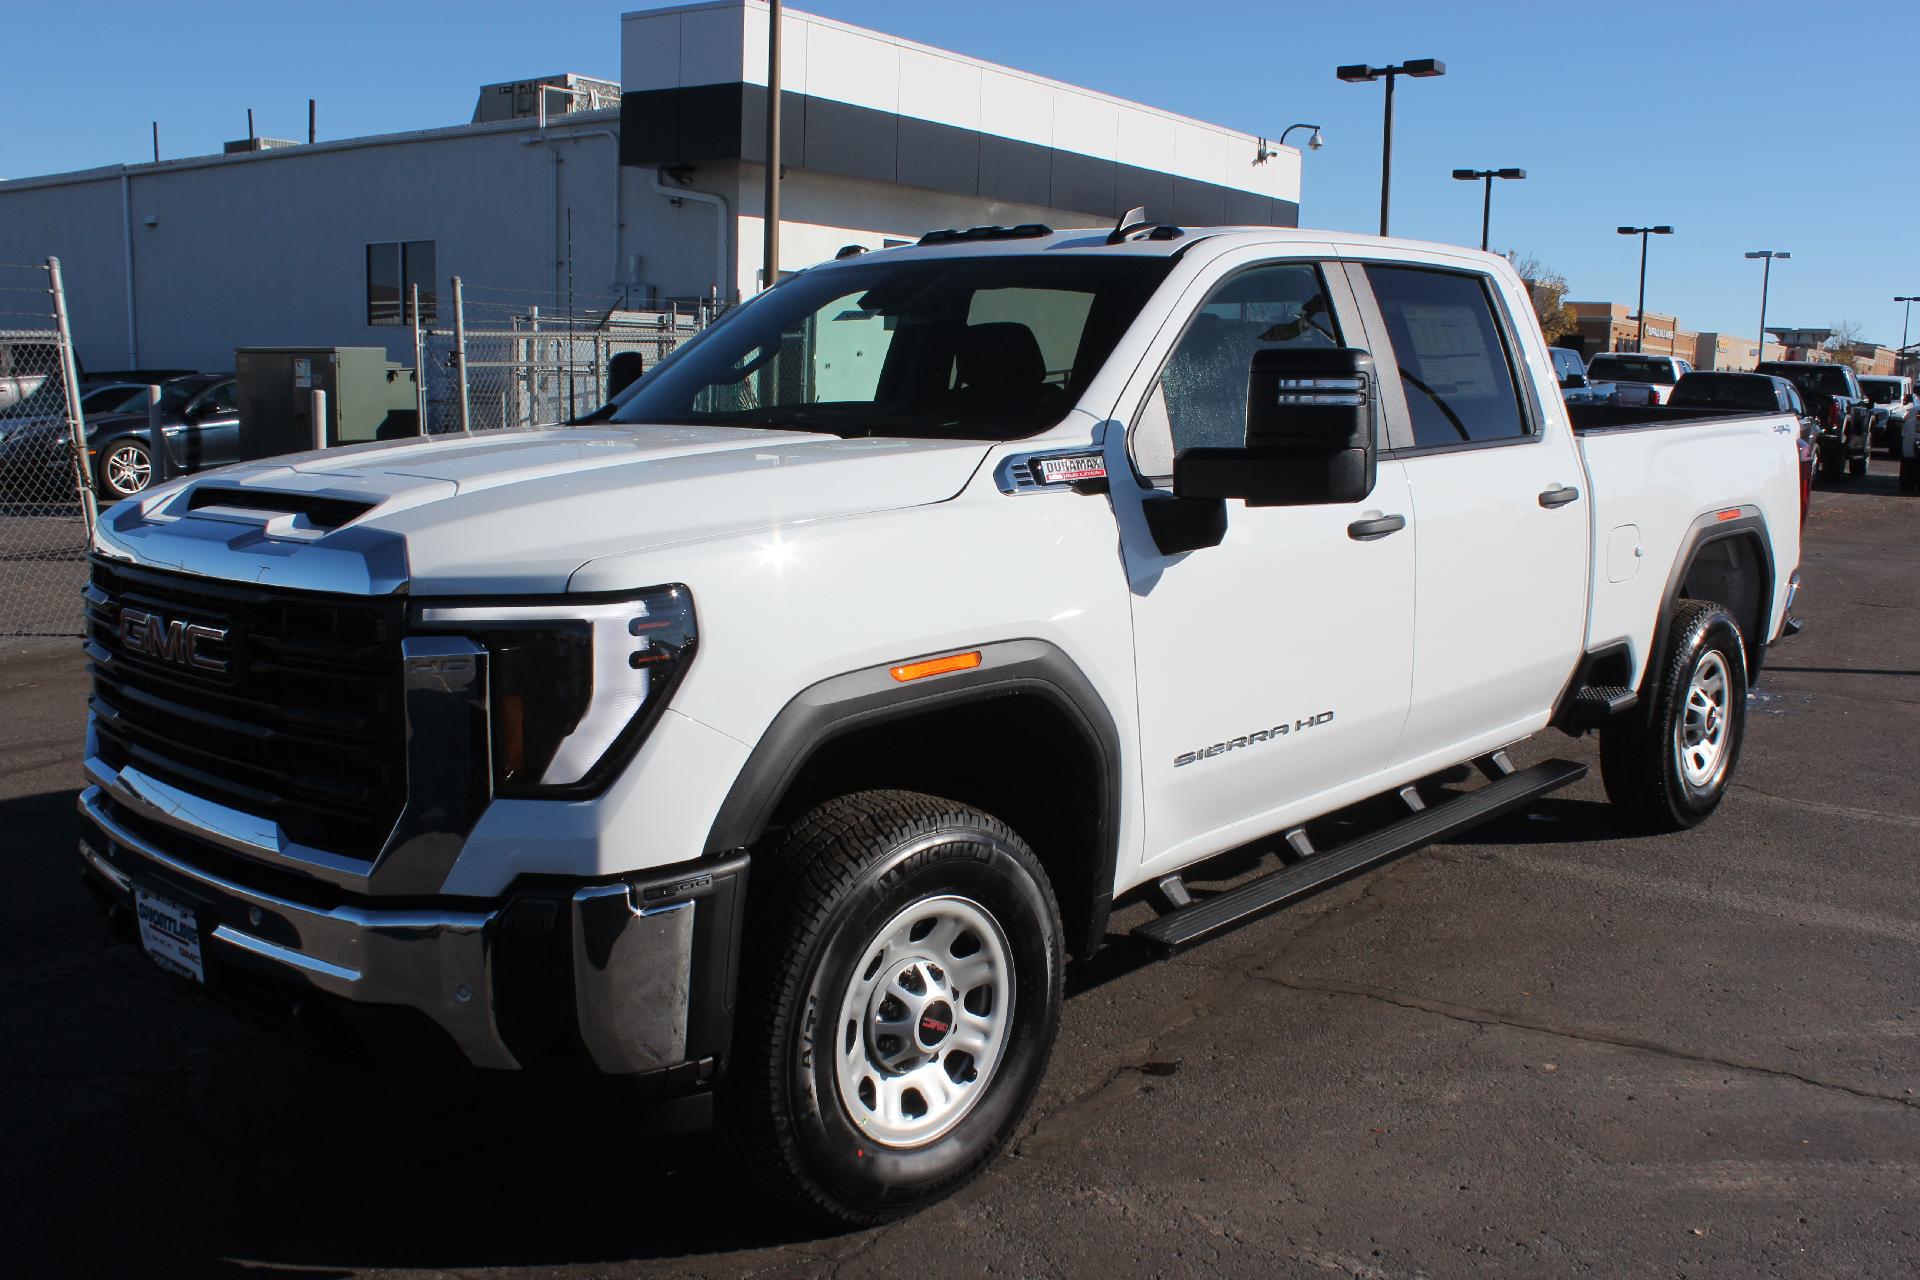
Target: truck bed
1657 475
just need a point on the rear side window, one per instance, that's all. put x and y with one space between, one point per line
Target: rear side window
1453 362
1618 368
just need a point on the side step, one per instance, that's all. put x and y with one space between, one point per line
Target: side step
1206 917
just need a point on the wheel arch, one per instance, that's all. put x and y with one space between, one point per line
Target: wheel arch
1726 557
1024 736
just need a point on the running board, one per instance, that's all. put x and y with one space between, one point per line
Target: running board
1206 917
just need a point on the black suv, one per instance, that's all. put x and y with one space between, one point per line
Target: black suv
1835 400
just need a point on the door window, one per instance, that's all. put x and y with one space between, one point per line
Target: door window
222 399
1200 399
1453 363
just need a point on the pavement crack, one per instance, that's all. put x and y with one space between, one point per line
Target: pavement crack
1485 1018
1842 810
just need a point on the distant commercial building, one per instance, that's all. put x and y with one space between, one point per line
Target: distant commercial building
177 263
1615 326
1724 351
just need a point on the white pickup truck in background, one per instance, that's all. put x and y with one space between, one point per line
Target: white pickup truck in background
771 741
1640 379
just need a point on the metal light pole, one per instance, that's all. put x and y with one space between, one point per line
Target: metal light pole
1640 339
1419 68
1766 280
1486 206
770 250
1903 320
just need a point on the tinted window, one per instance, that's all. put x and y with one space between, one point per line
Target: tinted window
1453 363
1619 368
1881 390
223 398
1204 384
1825 379
1729 391
1566 364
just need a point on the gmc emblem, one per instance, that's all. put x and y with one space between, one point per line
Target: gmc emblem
176 641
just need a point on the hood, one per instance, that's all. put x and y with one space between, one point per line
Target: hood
520 511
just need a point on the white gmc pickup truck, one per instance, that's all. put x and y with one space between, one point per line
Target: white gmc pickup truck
770 742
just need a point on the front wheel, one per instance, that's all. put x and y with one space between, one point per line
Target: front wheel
899 1006
1667 770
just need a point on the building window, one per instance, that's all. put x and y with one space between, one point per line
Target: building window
393 269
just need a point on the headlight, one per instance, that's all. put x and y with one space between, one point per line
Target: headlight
573 686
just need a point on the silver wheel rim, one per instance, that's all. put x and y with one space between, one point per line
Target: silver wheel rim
128 470
1700 739
924 1022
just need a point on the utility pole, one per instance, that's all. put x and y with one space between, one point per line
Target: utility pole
770 249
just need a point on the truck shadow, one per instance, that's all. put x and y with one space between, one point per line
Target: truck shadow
224 1150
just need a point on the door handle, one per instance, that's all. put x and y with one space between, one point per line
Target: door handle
1559 496
1379 527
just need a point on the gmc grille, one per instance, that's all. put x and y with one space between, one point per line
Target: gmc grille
302 722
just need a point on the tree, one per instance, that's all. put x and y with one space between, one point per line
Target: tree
1843 346
1549 291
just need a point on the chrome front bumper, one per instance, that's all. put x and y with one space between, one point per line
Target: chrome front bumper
646 963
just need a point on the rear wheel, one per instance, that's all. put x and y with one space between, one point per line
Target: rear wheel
900 1005
1857 466
125 469
1667 770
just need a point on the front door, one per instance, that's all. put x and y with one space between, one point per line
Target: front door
1274 667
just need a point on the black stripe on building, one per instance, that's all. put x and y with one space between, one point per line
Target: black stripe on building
724 122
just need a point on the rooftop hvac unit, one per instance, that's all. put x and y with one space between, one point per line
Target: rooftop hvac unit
520 99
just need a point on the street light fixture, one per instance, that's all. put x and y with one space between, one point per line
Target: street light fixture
1486 206
1904 319
1640 340
1766 278
1420 69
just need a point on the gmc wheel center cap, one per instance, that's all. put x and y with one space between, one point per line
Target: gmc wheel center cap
936 1022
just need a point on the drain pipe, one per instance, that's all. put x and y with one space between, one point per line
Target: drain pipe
719 204
619 195
126 225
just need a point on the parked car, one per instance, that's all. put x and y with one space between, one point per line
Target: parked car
1889 399
1833 394
771 745
200 416
197 414
1575 386
1638 378
1910 451
1754 393
29 359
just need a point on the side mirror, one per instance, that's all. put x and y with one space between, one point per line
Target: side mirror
1575 380
1310 434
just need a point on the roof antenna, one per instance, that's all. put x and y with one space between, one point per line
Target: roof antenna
1133 220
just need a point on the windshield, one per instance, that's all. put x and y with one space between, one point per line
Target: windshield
1617 368
1881 390
982 348
1826 379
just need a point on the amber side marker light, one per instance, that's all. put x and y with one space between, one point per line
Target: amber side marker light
1731 513
936 666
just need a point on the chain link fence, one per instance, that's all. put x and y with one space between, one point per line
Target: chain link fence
46 511
526 369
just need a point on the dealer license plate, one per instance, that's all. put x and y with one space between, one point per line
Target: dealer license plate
170 932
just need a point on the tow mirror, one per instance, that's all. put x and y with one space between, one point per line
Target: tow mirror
1310 434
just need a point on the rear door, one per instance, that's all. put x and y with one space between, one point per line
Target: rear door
1500 516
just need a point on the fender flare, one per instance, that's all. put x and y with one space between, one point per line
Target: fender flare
862 698
1749 525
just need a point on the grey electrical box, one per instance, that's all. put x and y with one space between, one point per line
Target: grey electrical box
369 397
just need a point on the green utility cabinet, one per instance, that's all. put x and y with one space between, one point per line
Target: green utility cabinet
369 397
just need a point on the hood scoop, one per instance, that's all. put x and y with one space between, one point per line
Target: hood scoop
320 511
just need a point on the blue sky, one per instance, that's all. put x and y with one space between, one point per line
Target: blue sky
1745 125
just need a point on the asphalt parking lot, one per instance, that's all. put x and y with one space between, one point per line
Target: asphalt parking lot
1546 1049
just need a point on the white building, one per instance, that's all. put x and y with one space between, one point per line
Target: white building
174 264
